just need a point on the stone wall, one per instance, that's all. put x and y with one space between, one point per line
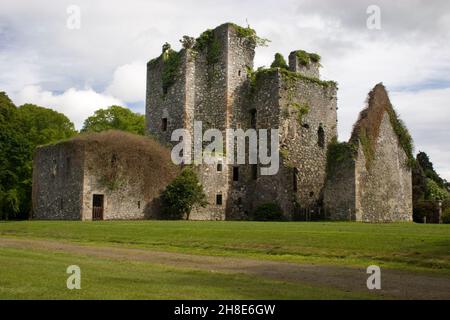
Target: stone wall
309 69
384 191
373 184
339 192
129 171
213 92
304 139
57 182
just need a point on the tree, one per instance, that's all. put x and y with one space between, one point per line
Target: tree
279 62
427 167
115 117
43 125
21 131
182 195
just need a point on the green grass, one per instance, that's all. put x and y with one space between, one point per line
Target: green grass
405 246
31 274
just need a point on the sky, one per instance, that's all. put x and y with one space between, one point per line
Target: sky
47 58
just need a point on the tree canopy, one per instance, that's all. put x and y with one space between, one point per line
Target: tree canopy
21 131
115 117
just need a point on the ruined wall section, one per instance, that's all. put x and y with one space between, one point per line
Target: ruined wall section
270 188
241 52
57 182
339 192
170 104
384 191
307 125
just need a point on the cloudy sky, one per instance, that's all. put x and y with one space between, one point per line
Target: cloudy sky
77 71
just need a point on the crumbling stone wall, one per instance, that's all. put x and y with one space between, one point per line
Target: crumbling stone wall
57 182
374 183
130 172
209 91
384 191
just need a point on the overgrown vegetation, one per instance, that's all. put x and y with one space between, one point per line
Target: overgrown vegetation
403 135
339 153
208 41
428 190
367 128
120 158
250 34
183 194
290 78
172 60
279 62
268 212
301 110
304 58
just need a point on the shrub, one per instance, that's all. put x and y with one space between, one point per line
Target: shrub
268 212
182 195
446 215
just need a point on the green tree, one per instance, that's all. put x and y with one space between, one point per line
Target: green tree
427 167
183 194
115 117
279 62
21 131
43 125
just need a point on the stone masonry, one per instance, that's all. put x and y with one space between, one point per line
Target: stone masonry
212 80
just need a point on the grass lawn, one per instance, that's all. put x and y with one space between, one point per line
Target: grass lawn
27 274
404 246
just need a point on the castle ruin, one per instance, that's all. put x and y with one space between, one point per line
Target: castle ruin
212 80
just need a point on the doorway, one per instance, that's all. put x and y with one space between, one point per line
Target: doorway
97 207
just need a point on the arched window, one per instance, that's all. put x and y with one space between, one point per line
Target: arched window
321 137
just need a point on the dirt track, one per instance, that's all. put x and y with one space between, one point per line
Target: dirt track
394 283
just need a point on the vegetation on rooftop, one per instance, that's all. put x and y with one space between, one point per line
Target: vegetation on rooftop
279 62
250 34
304 58
367 128
172 60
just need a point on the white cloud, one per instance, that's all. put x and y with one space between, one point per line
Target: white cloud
427 115
128 82
410 52
77 105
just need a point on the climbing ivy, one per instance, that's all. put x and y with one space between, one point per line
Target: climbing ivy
208 41
339 153
172 60
403 135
